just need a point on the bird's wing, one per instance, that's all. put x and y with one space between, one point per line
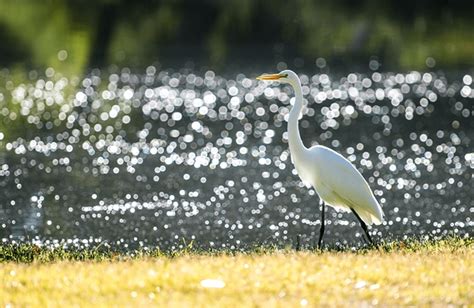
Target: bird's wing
349 186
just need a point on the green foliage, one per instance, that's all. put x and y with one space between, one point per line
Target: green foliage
45 30
127 33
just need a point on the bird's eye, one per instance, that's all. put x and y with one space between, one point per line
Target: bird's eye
285 75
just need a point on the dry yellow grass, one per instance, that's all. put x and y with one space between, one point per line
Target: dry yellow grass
440 276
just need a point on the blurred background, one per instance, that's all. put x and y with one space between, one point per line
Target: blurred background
74 36
140 123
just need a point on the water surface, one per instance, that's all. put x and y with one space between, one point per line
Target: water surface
162 158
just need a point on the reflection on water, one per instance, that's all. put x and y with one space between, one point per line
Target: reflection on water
150 159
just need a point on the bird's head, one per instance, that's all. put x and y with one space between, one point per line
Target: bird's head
286 76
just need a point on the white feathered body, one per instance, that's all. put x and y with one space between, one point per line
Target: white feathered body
335 179
338 183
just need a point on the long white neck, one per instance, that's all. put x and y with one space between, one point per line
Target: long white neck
297 148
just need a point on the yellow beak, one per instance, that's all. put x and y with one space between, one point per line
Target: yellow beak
270 77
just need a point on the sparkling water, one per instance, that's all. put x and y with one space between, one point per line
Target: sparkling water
163 158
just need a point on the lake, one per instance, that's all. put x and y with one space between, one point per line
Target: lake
165 158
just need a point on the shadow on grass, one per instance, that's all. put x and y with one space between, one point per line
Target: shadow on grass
27 253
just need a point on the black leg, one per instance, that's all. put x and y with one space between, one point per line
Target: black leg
363 225
298 242
321 230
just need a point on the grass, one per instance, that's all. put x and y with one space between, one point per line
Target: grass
392 274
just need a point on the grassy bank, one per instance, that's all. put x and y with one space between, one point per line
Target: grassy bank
403 273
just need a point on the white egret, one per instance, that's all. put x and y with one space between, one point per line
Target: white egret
337 182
